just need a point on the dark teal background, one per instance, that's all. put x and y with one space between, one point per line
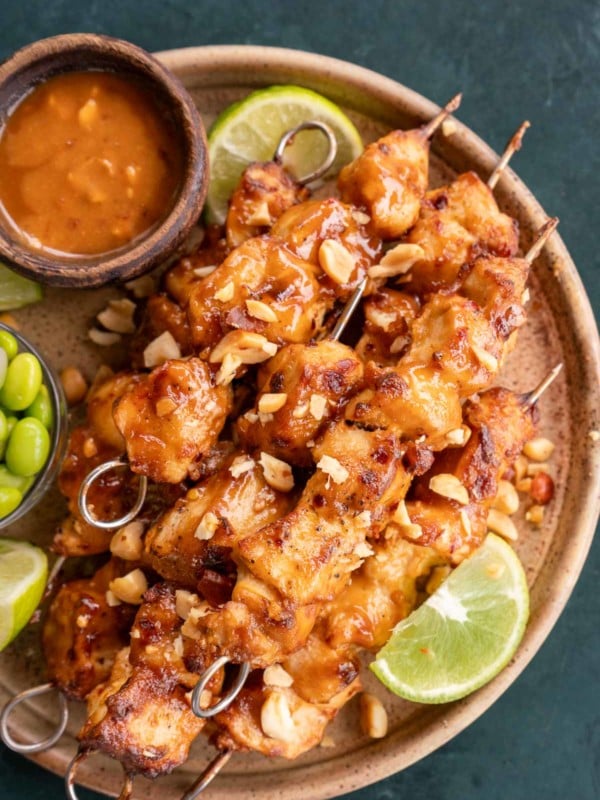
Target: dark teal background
537 60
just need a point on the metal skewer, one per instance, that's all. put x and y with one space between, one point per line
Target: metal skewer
531 398
287 138
93 476
81 755
514 144
208 775
44 744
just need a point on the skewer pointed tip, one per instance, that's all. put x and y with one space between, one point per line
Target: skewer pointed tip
431 127
514 145
532 397
542 237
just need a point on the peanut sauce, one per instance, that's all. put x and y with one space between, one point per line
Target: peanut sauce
87 163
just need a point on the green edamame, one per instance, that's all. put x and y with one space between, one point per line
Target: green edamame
3 433
10 423
22 383
10 498
41 408
8 480
28 447
3 366
9 344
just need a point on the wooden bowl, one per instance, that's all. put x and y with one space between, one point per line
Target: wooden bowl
560 327
79 52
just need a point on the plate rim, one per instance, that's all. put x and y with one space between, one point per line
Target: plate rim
387 93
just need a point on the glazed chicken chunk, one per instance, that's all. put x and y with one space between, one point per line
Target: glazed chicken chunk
171 418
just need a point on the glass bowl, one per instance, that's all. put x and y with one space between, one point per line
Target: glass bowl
58 432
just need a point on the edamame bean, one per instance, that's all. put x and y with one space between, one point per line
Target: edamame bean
28 447
10 498
41 408
3 433
8 480
9 344
10 423
22 383
3 366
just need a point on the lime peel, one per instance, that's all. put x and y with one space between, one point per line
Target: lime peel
17 291
23 574
250 129
464 634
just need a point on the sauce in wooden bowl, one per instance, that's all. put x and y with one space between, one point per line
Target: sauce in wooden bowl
88 163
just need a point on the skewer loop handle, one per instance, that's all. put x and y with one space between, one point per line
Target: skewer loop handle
87 482
44 744
227 700
311 124
81 755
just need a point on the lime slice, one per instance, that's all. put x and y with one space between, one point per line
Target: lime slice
251 129
464 634
23 573
16 291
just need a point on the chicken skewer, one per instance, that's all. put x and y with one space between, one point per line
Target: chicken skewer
389 312
81 636
355 618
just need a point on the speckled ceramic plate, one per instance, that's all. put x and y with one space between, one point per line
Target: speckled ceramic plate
560 327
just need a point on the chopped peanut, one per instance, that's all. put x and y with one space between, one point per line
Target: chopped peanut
448 485
539 449
161 349
269 403
130 588
277 473
74 385
373 716
336 261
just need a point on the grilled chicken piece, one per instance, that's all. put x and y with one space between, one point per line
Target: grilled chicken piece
389 315
264 192
382 592
193 543
180 279
141 715
305 227
262 269
457 224
389 180
172 417
276 720
501 424
82 633
313 381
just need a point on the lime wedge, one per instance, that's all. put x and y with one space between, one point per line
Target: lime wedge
16 291
464 634
23 573
251 129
